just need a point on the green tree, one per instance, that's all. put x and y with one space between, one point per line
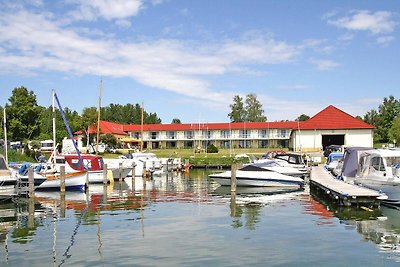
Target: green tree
302 117
22 115
176 121
389 110
394 131
128 114
89 119
238 112
254 110
108 139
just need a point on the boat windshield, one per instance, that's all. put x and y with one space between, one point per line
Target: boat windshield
393 161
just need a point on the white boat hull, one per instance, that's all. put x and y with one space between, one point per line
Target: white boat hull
258 178
390 188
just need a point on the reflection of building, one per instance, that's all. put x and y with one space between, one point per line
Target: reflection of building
329 126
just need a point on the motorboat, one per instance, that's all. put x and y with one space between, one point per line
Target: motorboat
8 180
333 160
379 170
260 177
148 161
347 168
274 165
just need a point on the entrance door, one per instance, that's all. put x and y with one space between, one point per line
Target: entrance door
334 139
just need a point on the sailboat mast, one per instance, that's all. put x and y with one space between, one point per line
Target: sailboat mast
54 127
141 129
5 134
98 119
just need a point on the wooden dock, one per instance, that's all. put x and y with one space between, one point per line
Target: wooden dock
322 182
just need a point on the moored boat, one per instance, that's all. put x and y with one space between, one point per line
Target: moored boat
257 178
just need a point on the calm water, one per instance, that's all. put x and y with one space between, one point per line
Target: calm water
185 220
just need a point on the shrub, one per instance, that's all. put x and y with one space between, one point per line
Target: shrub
212 149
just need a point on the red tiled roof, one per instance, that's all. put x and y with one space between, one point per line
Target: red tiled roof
108 127
333 118
211 126
328 118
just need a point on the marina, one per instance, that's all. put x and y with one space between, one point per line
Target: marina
188 220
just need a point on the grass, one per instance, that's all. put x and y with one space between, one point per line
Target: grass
15 156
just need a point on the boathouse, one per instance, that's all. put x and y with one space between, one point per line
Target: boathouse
329 126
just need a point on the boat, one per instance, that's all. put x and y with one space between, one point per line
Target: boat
347 168
148 161
379 170
261 177
273 165
8 180
333 160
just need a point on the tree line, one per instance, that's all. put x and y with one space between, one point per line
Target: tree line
26 120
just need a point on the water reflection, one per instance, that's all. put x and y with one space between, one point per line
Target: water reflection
136 221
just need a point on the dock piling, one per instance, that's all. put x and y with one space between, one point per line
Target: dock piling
62 179
233 177
105 174
31 181
120 172
133 176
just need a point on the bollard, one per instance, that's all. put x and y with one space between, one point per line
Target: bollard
105 174
62 179
233 177
120 172
31 192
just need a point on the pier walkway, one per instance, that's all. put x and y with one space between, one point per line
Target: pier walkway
345 194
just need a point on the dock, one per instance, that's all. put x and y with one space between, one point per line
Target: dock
323 183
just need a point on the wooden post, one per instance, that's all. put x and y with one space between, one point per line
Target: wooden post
31 181
62 179
144 169
105 174
87 180
120 172
133 176
233 177
62 205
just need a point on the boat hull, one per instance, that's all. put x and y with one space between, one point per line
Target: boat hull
390 188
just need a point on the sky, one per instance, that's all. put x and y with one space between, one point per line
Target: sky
187 59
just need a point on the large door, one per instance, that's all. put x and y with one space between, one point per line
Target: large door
332 139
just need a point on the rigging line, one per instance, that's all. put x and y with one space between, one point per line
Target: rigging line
74 233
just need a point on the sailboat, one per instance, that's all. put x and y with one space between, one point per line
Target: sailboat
46 181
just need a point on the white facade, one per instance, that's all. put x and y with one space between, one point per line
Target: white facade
311 140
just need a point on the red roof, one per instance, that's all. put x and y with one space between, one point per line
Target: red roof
328 118
333 118
108 127
210 126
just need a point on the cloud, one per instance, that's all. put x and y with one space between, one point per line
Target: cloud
380 22
44 44
107 9
324 64
384 40
346 37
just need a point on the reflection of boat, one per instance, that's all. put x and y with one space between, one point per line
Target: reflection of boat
261 177
225 190
380 170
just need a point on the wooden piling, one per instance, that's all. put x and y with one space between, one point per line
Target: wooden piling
105 175
144 174
233 177
31 188
62 179
133 176
120 172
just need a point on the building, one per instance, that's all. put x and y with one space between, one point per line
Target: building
329 126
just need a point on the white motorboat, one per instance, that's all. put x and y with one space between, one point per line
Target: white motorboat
148 161
257 178
333 160
379 170
274 165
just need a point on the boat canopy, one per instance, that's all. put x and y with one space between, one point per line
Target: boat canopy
350 160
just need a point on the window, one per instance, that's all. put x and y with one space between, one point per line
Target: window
225 144
244 144
225 134
263 144
244 134
189 134
171 135
377 164
154 135
207 134
263 133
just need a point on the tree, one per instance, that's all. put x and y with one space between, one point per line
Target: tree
238 113
128 114
22 114
254 111
176 121
89 118
302 117
108 139
394 131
